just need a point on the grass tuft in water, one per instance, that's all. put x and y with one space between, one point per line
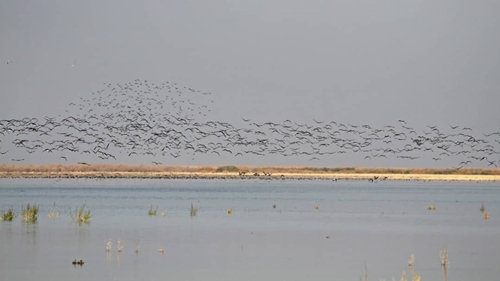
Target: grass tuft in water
411 261
482 208
8 216
81 215
152 212
486 216
443 255
30 212
432 208
194 210
53 213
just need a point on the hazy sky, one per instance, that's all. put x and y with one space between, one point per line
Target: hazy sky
358 62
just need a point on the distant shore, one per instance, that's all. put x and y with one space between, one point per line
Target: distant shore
103 171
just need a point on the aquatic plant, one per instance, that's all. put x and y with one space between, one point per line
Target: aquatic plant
52 212
443 255
194 210
119 246
152 212
80 215
411 261
8 216
30 213
109 246
432 208
486 216
482 208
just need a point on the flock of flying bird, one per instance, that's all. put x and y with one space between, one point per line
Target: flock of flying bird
166 120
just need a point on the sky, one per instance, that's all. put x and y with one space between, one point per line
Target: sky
427 63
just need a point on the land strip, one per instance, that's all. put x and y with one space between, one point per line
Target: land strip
244 172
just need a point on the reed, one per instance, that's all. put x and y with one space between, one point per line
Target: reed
53 213
30 212
486 216
443 255
81 215
194 210
9 215
152 212
411 261
432 208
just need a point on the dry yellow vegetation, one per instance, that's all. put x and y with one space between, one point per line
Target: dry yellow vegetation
165 171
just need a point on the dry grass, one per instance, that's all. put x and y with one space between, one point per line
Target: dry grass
443 255
53 213
411 261
158 171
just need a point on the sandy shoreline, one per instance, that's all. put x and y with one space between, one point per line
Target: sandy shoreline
280 176
100 171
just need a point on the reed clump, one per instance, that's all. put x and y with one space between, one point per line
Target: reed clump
9 215
411 261
53 213
486 216
194 210
443 256
152 212
81 215
30 212
432 208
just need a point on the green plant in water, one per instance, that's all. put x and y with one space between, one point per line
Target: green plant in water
30 213
8 216
81 215
432 208
194 210
152 212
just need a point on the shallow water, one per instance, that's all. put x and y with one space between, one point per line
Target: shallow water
379 224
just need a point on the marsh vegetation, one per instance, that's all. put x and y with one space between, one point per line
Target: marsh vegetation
151 211
30 212
8 215
81 215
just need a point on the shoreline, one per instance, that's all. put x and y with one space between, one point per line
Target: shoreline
229 176
121 171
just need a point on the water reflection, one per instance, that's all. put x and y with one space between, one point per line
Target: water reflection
444 272
30 231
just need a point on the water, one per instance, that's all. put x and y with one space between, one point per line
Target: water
379 224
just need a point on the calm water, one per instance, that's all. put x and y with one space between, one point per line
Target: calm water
377 223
